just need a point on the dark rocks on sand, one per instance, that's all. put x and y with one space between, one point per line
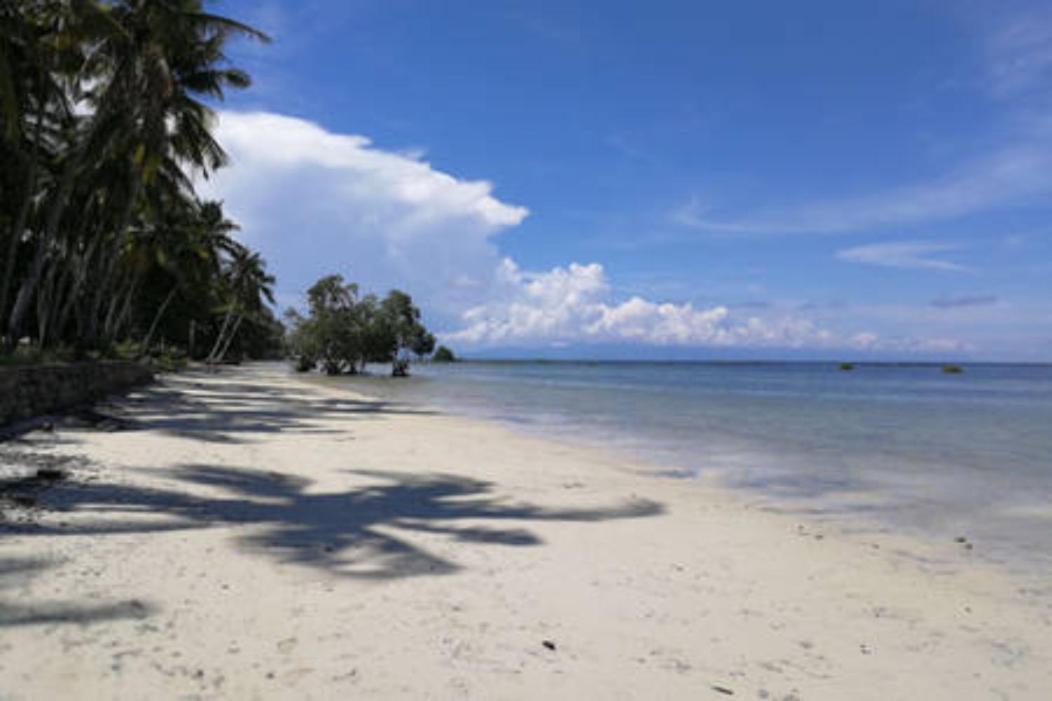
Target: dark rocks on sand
51 474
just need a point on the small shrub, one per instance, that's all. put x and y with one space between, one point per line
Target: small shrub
169 360
28 354
128 350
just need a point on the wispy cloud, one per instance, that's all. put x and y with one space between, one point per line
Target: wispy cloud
1019 55
964 301
626 147
903 254
1016 171
1010 177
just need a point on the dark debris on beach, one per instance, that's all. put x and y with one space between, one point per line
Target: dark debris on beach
26 473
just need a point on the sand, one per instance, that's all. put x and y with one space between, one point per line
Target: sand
250 535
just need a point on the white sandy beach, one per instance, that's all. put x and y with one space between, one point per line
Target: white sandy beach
251 535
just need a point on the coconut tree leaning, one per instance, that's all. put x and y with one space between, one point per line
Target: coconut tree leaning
33 103
248 285
192 258
180 58
151 63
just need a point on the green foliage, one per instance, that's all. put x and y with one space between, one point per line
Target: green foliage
105 125
127 350
26 354
443 355
950 369
847 366
169 360
343 330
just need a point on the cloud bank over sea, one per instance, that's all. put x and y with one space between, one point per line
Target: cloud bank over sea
318 202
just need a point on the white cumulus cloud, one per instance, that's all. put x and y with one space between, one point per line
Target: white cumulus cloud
315 202
572 305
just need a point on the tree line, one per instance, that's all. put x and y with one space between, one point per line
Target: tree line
344 330
105 125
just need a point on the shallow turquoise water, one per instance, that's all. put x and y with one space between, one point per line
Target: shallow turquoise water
907 447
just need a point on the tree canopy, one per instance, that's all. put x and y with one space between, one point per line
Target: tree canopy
105 125
444 355
344 330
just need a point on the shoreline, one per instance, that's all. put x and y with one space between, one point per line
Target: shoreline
252 535
856 511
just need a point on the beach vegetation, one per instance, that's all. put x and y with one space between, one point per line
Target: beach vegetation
105 126
343 330
444 355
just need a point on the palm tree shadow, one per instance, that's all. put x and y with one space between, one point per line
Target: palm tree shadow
362 533
358 533
233 413
13 571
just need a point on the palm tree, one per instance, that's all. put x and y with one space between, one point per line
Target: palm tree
248 285
103 130
32 105
150 62
194 259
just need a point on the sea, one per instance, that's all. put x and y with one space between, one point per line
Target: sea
898 447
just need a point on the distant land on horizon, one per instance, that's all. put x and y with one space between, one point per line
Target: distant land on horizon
696 355
872 363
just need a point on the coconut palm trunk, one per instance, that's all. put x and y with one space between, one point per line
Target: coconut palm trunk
219 339
80 268
119 311
230 338
157 319
36 269
20 222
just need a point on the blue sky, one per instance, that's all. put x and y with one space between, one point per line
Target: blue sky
661 179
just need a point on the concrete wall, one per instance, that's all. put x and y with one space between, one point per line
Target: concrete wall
34 390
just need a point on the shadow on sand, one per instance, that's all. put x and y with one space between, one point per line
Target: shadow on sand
191 406
386 526
362 533
16 570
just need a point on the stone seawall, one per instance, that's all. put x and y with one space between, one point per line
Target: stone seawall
34 390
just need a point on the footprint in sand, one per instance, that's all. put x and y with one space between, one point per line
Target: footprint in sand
287 645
